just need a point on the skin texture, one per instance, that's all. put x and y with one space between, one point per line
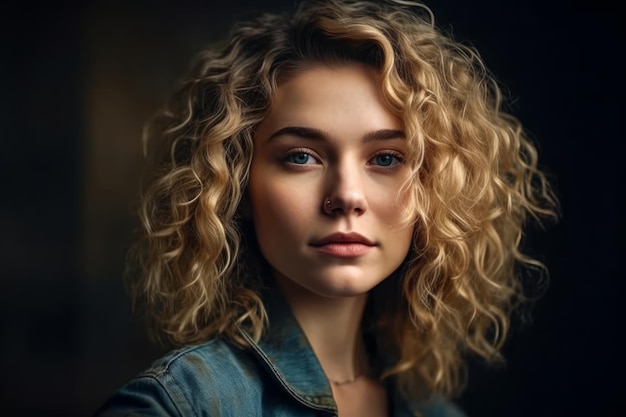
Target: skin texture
328 135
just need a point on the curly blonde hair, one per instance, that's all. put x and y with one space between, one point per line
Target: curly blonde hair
475 183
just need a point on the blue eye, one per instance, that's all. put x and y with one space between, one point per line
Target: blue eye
300 158
385 160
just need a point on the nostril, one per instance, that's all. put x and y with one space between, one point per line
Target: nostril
344 205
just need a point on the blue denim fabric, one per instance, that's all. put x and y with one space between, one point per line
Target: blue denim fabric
278 377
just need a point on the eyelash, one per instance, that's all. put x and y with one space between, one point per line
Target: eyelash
398 157
295 152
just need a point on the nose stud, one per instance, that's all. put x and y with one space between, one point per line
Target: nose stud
341 206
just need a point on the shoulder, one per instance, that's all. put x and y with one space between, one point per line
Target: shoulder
190 381
435 406
216 359
440 407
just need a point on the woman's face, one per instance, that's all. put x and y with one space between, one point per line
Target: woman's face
328 165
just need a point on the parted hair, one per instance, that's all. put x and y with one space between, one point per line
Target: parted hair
475 182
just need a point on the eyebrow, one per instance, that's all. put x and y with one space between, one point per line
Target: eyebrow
319 135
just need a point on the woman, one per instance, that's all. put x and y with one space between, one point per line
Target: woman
332 218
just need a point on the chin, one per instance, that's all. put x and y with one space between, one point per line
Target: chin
344 286
336 282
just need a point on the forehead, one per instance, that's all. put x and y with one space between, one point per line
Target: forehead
331 98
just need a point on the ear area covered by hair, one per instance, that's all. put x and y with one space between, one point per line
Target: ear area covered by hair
245 207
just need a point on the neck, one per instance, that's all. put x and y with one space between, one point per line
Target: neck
332 327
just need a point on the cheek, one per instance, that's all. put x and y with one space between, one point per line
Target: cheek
278 210
388 205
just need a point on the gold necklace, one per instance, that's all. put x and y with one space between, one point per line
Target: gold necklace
362 366
346 381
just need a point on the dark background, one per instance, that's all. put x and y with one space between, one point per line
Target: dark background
77 83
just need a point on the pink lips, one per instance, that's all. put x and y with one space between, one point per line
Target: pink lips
344 245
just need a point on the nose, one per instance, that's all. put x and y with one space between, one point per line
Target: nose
345 191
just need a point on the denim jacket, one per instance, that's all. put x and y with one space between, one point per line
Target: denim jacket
279 376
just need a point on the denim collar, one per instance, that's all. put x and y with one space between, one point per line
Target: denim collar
285 351
287 354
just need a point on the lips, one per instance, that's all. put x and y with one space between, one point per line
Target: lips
343 245
343 238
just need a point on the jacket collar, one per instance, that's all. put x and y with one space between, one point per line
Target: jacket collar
287 354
